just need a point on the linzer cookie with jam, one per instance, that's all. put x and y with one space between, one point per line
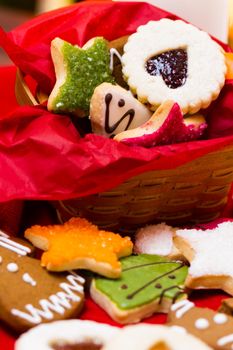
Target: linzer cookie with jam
29 295
148 283
173 60
67 335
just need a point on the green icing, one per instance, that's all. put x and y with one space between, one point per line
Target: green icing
144 278
86 69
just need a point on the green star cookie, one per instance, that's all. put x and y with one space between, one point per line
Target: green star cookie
148 283
78 72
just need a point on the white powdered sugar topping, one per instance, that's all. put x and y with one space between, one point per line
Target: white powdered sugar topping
213 250
154 239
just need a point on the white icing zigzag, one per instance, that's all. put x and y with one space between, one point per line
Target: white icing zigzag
58 302
7 243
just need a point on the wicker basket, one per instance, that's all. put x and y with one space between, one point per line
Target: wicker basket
192 193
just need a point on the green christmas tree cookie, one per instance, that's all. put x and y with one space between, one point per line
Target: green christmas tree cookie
148 283
78 72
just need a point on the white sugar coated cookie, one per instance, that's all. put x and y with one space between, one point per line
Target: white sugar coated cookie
154 337
210 255
156 239
62 334
173 60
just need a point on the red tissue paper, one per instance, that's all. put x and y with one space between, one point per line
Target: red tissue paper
43 155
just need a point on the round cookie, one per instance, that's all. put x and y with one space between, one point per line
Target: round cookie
154 337
67 335
173 60
29 295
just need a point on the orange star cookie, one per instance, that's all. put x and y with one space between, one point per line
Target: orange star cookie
79 244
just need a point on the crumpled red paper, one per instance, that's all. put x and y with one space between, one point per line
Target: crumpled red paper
43 155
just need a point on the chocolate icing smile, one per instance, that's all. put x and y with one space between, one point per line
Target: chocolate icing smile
171 65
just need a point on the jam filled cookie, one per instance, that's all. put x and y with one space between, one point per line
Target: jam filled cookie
114 109
174 60
78 72
154 337
30 295
210 255
166 126
215 329
78 244
67 335
148 283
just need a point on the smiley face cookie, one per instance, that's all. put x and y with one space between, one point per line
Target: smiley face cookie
215 329
173 60
78 244
29 295
78 72
67 335
114 109
148 283
210 255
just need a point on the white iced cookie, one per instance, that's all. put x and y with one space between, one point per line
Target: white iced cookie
67 335
210 255
157 240
173 60
154 337
114 109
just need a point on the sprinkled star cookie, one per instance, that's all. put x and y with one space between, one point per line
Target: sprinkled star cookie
80 245
173 60
30 295
67 335
210 255
78 72
148 283
215 329
157 240
154 337
166 126
114 109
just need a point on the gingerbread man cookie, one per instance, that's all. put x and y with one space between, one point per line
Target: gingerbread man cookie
148 284
29 295
114 109
215 329
78 244
173 60
67 335
210 255
227 306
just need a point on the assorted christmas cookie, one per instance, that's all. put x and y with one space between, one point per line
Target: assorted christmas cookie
78 244
116 50
154 337
78 72
215 329
210 255
67 335
227 306
166 126
171 59
29 295
157 240
114 109
148 283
